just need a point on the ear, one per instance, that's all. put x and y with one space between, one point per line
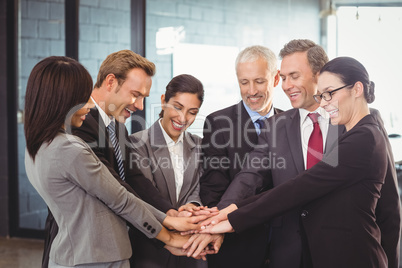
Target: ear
315 77
358 89
276 79
163 101
110 80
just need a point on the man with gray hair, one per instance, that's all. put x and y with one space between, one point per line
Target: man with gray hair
288 136
229 135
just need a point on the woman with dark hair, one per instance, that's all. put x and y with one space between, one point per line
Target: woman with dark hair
88 204
339 194
169 156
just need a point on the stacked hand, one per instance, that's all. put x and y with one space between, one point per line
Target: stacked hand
218 224
206 225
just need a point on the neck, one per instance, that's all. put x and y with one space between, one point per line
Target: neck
266 110
362 112
100 99
313 107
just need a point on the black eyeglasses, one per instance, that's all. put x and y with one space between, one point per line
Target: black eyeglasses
327 95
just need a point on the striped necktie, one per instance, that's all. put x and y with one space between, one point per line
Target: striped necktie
117 152
260 123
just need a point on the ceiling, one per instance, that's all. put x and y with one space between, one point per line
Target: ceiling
325 3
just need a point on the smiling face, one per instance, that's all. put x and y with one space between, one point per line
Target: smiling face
79 116
128 97
298 81
341 108
179 113
256 85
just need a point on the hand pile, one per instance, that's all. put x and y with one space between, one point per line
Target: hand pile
201 230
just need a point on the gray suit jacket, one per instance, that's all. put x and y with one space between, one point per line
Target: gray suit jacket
154 161
88 204
282 135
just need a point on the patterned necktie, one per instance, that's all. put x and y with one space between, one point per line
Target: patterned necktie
315 144
117 152
260 123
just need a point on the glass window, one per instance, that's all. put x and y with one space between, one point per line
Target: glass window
368 34
104 29
41 34
203 38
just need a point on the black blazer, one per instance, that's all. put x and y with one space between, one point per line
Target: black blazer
93 131
229 135
338 195
388 210
282 143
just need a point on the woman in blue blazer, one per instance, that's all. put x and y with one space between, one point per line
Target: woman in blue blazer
169 156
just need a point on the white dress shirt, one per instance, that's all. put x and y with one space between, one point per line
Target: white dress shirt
106 119
176 156
306 128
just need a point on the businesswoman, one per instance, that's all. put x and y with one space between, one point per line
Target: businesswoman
88 204
169 156
340 193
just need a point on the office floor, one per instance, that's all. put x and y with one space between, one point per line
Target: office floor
20 253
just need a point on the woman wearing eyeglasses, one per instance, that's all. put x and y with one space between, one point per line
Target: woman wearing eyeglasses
339 194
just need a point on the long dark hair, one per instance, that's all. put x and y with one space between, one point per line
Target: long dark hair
351 71
55 85
183 83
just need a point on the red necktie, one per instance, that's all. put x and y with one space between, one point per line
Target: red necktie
315 144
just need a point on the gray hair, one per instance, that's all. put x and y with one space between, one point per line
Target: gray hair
253 53
316 55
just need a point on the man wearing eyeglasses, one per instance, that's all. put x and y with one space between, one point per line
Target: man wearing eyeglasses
298 138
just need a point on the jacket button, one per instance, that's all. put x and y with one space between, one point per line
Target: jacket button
145 224
149 227
153 231
304 214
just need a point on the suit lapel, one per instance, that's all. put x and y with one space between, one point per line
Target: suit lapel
162 156
189 165
294 140
103 140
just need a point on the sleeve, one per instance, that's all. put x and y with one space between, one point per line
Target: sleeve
95 179
388 210
216 178
355 156
195 195
255 175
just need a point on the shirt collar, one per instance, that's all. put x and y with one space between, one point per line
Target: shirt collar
304 114
106 119
168 139
255 115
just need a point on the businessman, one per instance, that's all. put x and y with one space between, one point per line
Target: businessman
123 81
301 62
229 135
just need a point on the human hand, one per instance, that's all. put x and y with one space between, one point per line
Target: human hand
220 228
176 240
223 215
198 210
172 213
202 244
176 251
183 223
